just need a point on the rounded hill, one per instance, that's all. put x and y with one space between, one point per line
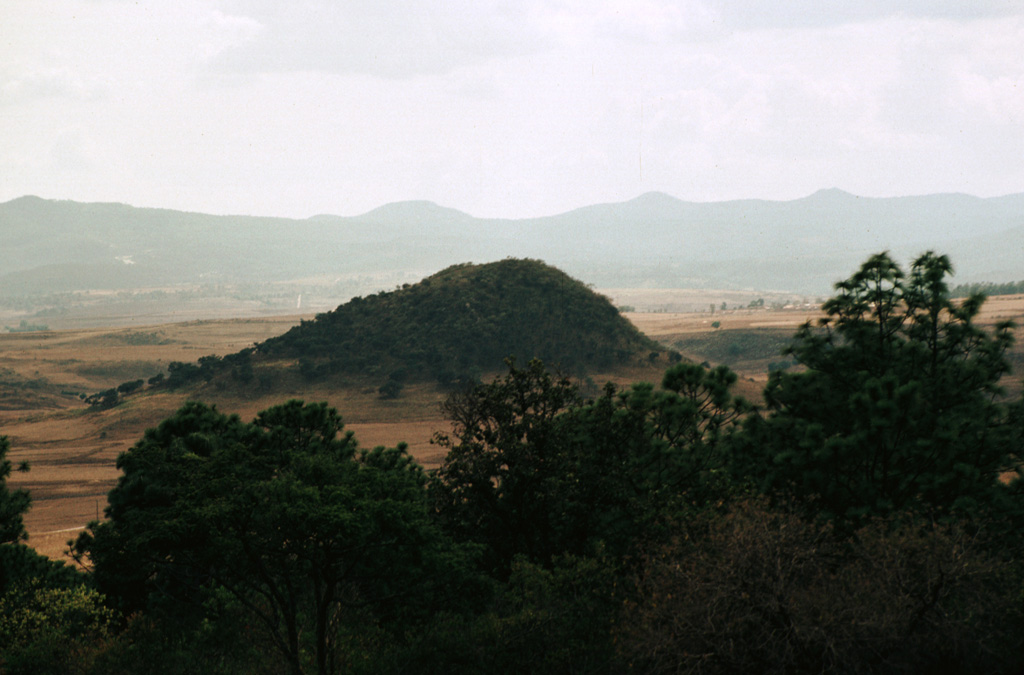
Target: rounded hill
463 321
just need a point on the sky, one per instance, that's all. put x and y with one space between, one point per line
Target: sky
513 109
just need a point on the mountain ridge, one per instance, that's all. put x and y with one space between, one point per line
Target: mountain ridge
654 239
434 206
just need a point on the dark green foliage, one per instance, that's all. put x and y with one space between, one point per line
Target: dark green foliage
13 504
533 471
502 481
546 619
104 400
240 365
52 629
129 387
394 385
209 366
157 472
465 320
223 644
641 455
21 567
390 389
180 374
50 620
898 407
558 619
283 517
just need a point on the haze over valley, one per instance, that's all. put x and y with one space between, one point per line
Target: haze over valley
67 263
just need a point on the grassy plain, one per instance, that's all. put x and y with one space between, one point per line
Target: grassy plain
72 450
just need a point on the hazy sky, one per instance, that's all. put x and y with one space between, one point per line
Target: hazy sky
516 108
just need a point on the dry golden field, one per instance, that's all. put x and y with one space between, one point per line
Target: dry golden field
72 450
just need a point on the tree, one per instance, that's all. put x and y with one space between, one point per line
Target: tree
104 400
500 484
52 629
285 515
38 616
641 454
129 387
13 504
898 405
533 470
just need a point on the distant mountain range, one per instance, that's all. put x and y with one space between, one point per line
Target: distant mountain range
655 240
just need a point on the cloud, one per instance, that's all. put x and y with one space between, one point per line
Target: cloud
755 14
642 22
74 50
47 83
385 38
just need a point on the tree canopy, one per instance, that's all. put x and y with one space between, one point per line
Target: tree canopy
898 404
284 514
534 470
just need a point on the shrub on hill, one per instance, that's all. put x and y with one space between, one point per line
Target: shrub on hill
463 321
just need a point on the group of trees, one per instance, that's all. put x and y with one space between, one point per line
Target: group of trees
237 366
988 288
864 520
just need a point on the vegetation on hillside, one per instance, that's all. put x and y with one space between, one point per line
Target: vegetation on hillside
450 328
463 321
866 520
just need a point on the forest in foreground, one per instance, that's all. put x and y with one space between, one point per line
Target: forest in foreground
866 518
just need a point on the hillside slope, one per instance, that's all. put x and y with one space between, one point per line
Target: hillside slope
463 321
